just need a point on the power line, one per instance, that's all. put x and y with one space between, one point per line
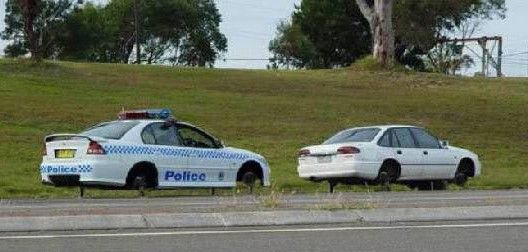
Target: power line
257 6
245 59
514 54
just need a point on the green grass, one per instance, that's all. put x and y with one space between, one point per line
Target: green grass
270 112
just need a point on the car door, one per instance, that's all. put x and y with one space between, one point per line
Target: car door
207 156
407 154
165 151
438 162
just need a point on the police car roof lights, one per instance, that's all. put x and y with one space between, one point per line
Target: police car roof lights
145 114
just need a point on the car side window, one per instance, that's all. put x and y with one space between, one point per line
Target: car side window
192 137
425 140
160 134
385 139
148 136
394 140
404 138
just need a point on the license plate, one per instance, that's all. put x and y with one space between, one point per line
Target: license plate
324 159
64 153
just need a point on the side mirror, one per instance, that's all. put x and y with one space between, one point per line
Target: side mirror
444 143
220 143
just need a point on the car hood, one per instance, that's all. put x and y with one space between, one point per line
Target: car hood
462 151
250 153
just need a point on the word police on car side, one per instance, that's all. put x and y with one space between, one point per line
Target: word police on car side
147 148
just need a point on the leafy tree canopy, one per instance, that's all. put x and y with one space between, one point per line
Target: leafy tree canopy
322 34
47 25
182 32
333 33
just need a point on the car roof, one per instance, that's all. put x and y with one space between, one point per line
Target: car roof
382 127
387 126
141 121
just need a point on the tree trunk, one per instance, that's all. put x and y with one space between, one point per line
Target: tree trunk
383 32
30 11
379 18
136 32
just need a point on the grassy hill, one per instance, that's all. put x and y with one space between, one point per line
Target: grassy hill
271 112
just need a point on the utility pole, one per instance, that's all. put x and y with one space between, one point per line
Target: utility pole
136 32
487 57
483 43
499 59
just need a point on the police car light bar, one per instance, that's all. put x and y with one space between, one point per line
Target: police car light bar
145 114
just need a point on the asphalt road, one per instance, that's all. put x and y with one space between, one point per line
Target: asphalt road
10 208
479 236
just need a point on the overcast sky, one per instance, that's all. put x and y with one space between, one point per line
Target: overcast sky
250 24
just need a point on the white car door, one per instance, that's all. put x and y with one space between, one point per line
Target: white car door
439 163
207 157
166 153
407 154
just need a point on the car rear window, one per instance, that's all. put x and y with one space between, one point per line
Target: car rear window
353 135
110 130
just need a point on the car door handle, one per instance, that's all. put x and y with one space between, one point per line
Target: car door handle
399 152
426 153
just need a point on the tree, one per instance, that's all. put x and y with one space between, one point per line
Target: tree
321 34
421 23
447 59
92 33
418 32
418 24
379 17
291 48
183 32
201 41
29 10
34 27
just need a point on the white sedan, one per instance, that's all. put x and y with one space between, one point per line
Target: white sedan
147 149
386 154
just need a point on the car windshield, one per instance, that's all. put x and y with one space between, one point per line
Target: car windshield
110 130
353 135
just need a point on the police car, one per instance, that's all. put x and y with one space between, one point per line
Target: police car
148 149
389 153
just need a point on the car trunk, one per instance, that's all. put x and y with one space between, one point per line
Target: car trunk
68 148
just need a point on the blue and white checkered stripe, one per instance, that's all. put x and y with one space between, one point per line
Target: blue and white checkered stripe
66 169
173 152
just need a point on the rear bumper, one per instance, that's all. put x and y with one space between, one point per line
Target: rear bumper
353 169
77 173
64 180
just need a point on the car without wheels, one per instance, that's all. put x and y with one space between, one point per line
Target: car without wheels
388 154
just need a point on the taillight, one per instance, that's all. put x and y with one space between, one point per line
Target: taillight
94 148
304 153
348 150
44 150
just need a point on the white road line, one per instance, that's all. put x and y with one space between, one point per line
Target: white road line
296 230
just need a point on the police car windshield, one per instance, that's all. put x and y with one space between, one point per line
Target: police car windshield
353 135
110 130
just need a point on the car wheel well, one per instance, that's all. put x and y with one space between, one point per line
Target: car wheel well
391 164
466 166
250 166
146 169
